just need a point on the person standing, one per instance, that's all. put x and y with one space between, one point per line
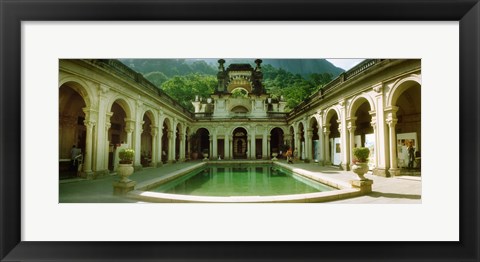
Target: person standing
289 154
411 155
73 154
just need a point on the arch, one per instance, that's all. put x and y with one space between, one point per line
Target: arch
204 139
146 139
329 113
358 101
167 122
400 86
195 129
151 115
239 82
314 140
276 141
313 117
124 104
178 133
232 130
300 124
291 133
406 98
80 86
240 143
283 128
239 109
240 90
72 131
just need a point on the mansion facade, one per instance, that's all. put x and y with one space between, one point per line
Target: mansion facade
105 106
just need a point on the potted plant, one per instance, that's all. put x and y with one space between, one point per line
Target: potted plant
360 161
125 168
205 154
274 154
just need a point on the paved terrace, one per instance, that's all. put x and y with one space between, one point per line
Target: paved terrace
401 190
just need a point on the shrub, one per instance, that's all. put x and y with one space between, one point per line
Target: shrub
126 156
360 154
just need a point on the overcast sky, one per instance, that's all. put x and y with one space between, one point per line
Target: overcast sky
345 63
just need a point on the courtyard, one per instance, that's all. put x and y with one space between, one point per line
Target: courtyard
392 190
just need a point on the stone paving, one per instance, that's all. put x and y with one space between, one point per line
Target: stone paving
402 189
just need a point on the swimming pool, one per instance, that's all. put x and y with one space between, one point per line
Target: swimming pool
241 180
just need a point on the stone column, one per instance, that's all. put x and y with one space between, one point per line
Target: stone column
87 162
381 136
326 133
253 154
129 127
161 120
308 144
171 146
137 164
214 145
249 152
154 133
267 147
182 147
230 149
298 145
286 139
100 163
321 146
373 123
392 121
351 130
226 148
210 146
344 142
107 141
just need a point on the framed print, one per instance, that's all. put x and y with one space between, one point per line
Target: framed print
45 42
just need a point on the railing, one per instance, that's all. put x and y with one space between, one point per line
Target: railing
277 115
332 85
203 115
361 67
131 74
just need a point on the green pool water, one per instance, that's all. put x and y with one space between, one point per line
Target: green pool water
241 180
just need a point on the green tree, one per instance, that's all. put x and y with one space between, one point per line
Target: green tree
157 78
184 88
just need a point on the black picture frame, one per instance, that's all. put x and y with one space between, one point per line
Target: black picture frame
12 13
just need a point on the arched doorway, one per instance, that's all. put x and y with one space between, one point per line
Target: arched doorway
315 142
240 143
363 132
300 149
117 133
203 141
187 143
166 134
147 139
178 134
408 128
72 131
276 142
333 145
292 138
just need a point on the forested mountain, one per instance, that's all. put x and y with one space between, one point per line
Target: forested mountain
304 67
182 79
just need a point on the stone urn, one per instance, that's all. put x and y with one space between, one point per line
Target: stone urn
205 156
360 168
124 171
274 156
